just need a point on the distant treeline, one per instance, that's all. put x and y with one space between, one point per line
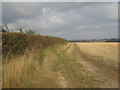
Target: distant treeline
99 40
79 40
113 40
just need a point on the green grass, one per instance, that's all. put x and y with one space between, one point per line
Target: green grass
72 71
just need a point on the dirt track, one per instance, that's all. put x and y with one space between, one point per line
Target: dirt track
98 59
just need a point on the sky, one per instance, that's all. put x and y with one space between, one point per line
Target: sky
69 20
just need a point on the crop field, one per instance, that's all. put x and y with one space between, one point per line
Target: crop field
101 59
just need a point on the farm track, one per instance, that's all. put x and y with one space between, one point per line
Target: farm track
96 71
61 79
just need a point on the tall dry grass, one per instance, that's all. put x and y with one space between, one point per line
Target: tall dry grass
18 71
31 70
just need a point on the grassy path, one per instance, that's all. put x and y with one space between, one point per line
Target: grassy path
60 69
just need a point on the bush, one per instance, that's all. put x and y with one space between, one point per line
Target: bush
18 43
30 32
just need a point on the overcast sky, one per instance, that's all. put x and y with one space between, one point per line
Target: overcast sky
70 20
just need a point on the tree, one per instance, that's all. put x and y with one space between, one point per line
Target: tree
2 29
30 32
5 27
21 29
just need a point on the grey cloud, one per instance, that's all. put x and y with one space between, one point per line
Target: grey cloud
15 11
68 20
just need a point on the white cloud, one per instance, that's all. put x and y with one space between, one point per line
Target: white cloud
56 20
45 10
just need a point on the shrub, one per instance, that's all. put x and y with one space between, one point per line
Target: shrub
30 32
18 43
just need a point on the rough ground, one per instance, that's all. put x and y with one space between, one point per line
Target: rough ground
75 65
